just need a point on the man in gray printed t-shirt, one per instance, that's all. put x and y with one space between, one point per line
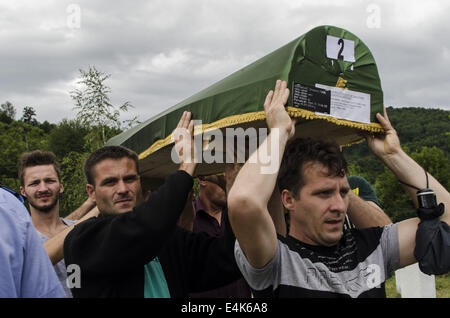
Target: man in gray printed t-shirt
319 258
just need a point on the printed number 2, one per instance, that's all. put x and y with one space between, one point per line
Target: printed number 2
340 56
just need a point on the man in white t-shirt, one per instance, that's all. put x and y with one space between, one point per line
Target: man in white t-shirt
41 185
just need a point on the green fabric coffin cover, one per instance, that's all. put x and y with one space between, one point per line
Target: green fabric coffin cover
237 100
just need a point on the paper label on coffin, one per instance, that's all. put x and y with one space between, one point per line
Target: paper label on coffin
314 99
347 104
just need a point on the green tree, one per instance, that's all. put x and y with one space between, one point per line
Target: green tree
67 136
393 198
15 139
92 140
94 107
74 182
46 127
436 162
7 112
28 117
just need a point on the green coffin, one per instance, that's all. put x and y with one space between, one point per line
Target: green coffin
326 55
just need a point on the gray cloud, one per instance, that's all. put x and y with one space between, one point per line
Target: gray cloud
161 52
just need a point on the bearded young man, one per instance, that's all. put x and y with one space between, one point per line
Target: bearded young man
40 179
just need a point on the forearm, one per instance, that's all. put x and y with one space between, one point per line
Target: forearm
132 237
248 202
387 148
81 210
410 172
276 211
254 185
257 178
54 246
188 168
365 214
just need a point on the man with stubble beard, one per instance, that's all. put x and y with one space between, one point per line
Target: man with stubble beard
134 248
41 185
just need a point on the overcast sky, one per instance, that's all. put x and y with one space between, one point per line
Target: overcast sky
161 52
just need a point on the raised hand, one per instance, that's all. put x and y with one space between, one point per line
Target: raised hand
276 115
184 143
385 145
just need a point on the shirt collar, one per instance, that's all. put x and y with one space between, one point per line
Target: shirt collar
198 205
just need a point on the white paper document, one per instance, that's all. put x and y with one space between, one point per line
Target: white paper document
347 104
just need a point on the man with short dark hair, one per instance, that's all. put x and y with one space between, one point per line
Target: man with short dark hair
40 179
134 248
209 204
210 218
42 195
318 258
106 160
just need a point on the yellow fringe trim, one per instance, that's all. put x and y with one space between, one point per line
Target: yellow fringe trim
224 122
260 115
306 114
